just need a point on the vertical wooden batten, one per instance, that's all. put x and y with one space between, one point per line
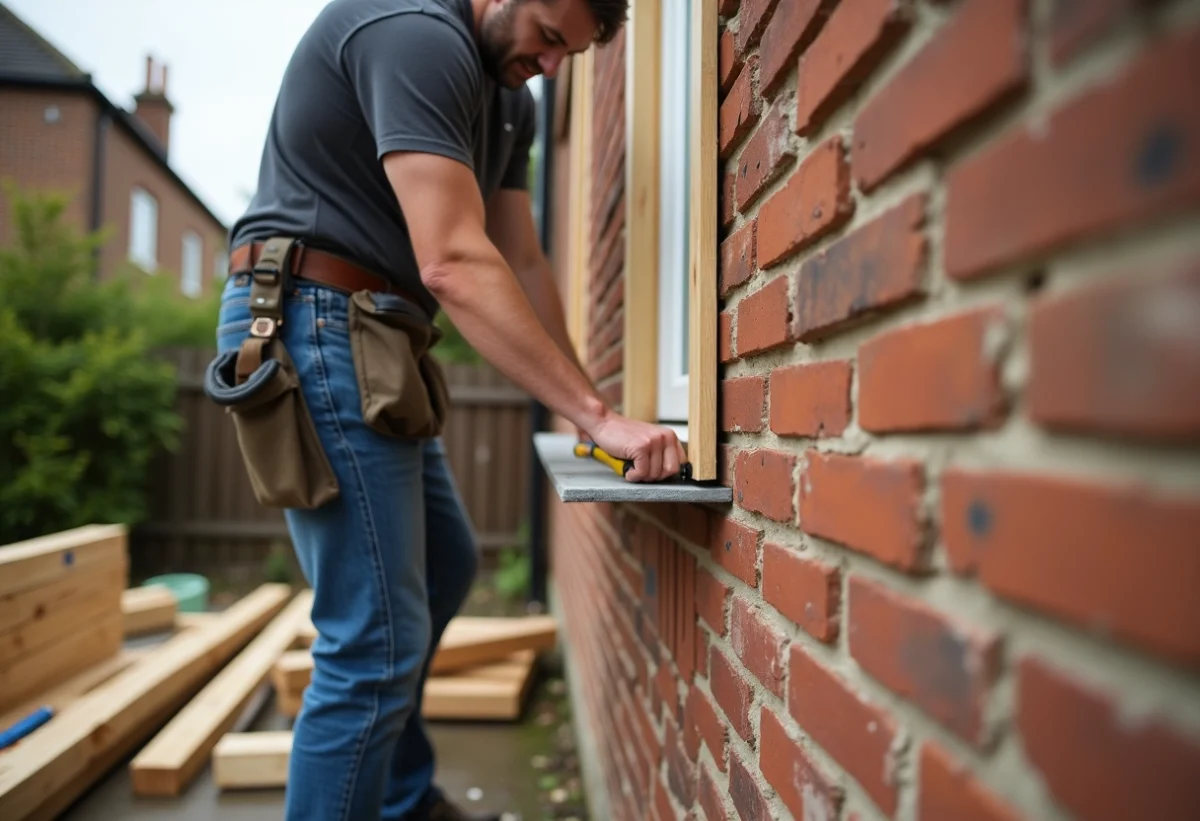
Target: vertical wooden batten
581 178
642 62
702 274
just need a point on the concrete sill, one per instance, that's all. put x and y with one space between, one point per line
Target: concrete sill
586 480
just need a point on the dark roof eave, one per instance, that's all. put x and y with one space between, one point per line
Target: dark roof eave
123 118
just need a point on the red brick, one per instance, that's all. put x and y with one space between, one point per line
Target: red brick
1121 357
754 15
1074 26
691 522
801 786
725 336
665 684
939 375
759 645
765 484
710 798
742 402
766 156
729 62
649 745
795 24
728 198
1115 157
868 505
949 792
728 8
738 257
726 462
857 36
1099 763
702 653
735 548
711 595
740 109
681 772
747 798
807 591
763 318
663 808
879 265
931 96
731 692
1114 558
858 735
944 666
814 201
609 363
811 400
702 722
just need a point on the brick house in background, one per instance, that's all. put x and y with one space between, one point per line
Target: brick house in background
955 273
58 132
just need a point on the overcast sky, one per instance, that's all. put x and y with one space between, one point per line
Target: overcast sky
225 59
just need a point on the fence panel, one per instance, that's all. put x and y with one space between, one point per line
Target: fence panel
203 516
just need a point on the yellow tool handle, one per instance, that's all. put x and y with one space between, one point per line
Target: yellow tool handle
620 466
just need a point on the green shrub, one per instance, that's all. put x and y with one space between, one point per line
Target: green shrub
85 403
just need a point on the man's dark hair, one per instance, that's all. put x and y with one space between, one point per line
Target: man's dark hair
610 16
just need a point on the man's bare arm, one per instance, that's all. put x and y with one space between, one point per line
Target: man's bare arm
510 227
469 277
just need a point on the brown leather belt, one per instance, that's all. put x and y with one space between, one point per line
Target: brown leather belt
318 266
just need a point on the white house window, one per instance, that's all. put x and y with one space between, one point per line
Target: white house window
192 260
220 266
674 217
143 230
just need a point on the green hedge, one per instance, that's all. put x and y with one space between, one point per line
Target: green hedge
84 404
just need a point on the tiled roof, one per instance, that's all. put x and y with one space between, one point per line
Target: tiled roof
24 53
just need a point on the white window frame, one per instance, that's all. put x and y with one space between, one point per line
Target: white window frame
191 264
143 229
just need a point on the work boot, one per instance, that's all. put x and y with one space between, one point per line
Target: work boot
444 810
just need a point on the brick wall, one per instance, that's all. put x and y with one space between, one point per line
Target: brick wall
126 166
960 402
41 155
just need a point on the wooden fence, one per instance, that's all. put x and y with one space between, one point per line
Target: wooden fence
203 516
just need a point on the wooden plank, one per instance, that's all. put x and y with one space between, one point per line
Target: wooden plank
49 558
48 665
21 607
494 692
702 299
56 625
581 192
77 685
90 736
190 621
244 761
642 60
292 671
148 609
170 762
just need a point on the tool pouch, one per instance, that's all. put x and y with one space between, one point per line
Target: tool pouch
401 386
259 388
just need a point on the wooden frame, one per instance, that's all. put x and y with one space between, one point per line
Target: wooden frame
702 273
643 60
581 177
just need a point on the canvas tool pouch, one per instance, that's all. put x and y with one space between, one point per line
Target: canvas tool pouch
260 389
402 387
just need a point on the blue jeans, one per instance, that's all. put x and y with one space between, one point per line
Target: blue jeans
390 562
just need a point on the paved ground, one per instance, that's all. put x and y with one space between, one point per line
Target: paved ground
484 766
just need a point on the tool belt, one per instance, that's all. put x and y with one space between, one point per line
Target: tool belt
401 387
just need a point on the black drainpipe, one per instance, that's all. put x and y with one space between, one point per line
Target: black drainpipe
538 416
99 139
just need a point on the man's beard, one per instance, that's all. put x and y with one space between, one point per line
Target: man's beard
496 42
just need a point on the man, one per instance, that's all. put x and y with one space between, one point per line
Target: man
399 143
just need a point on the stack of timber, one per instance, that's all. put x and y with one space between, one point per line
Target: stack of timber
60 608
483 670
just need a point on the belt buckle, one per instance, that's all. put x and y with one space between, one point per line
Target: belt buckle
263 327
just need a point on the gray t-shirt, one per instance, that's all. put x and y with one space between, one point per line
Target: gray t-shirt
367 78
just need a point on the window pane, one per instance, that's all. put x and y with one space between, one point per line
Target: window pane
192 260
143 229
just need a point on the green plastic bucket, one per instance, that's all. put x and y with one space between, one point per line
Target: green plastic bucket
190 588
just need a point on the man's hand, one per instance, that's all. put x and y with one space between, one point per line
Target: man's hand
655 450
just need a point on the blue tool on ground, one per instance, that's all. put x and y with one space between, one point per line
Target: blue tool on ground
25 726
